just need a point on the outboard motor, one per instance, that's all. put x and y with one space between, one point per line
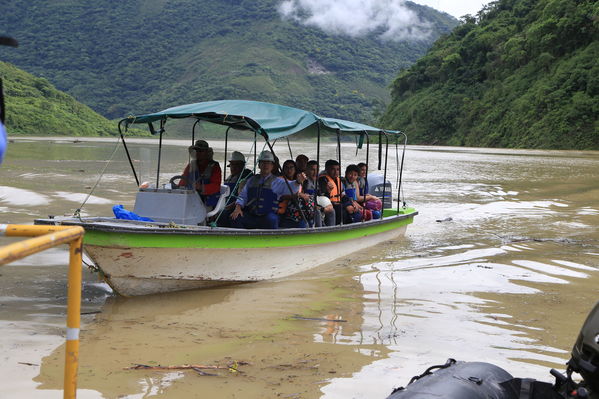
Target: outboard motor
376 188
476 380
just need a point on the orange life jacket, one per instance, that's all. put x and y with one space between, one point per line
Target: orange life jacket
335 193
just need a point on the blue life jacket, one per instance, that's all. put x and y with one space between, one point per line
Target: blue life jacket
351 193
231 182
261 199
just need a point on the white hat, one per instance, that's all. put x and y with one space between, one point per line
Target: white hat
236 156
266 156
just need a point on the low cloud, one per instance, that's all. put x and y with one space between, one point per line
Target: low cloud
392 19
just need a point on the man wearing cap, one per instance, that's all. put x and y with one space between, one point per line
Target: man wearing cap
236 181
258 203
202 173
238 172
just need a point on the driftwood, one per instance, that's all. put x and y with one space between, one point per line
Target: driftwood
199 368
297 317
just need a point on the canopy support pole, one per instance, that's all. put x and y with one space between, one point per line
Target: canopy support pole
127 152
366 177
337 181
226 142
293 198
403 154
255 149
159 153
193 132
380 150
289 146
318 146
317 172
385 173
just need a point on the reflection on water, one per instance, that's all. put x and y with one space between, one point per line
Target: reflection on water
501 265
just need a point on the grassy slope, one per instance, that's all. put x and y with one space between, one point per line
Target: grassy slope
137 56
523 74
35 107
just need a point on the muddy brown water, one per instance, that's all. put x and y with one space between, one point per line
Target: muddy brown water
501 265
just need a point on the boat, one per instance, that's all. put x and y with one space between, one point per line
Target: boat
179 249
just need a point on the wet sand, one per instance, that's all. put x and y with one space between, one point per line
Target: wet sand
501 265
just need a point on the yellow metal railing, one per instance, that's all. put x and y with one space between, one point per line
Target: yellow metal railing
46 237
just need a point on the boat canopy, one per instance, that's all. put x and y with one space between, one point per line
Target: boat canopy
272 121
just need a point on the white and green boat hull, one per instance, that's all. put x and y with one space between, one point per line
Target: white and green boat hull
138 259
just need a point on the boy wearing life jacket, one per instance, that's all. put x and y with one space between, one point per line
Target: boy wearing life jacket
202 173
258 203
354 212
330 186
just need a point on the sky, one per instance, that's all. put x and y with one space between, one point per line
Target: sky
457 8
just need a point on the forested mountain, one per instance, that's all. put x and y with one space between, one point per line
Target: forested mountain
522 73
35 107
137 56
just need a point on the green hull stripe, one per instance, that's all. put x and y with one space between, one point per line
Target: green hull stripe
137 240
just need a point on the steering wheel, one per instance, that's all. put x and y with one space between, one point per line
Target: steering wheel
172 180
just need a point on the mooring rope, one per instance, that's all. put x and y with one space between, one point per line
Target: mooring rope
77 212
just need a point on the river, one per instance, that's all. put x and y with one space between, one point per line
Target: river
501 265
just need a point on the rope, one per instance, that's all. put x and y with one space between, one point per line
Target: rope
77 212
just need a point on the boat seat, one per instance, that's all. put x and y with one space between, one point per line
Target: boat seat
222 200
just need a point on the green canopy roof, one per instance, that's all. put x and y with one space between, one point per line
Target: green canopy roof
270 120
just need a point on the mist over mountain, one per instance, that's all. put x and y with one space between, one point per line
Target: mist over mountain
138 56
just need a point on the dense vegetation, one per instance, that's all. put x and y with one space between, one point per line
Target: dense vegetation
138 56
35 107
523 73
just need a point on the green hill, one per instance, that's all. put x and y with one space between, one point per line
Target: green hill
137 56
35 107
523 73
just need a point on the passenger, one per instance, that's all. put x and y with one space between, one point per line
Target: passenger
362 178
368 201
239 173
354 212
258 203
297 208
203 173
236 181
330 187
310 187
301 162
